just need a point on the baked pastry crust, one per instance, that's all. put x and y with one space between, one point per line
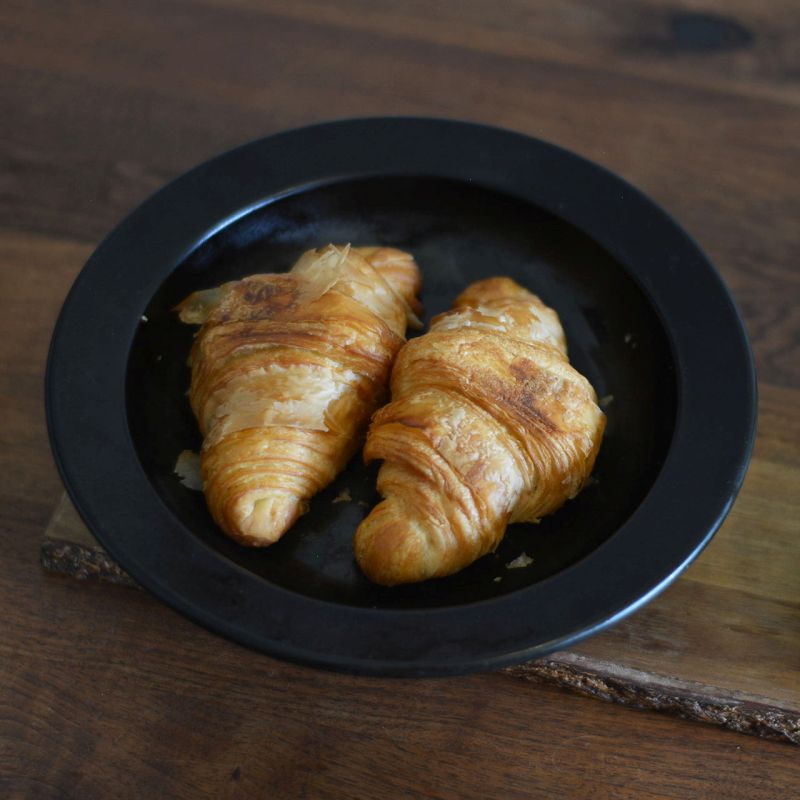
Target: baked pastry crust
286 371
488 425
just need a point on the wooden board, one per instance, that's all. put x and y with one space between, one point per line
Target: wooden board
107 693
722 645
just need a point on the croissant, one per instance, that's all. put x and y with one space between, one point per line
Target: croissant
286 371
488 425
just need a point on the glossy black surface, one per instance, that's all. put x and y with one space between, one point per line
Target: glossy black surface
647 318
458 234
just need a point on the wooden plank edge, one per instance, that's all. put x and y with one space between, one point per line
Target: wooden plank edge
82 562
654 693
580 674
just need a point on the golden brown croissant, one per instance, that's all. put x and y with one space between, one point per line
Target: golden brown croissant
488 424
286 372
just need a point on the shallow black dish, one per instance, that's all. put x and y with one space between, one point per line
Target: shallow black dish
647 319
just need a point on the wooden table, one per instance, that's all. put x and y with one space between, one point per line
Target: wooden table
106 692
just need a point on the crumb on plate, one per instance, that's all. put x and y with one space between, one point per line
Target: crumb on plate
187 468
343 497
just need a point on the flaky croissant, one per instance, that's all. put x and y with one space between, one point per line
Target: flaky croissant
286 371
488 425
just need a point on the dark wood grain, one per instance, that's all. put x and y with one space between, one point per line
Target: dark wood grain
103 691
724 162
690 651
155 707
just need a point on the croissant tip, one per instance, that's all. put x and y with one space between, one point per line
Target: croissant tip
262 520
387 549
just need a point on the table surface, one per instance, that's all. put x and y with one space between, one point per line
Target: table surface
106 692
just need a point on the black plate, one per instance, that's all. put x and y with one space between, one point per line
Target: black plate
647 318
